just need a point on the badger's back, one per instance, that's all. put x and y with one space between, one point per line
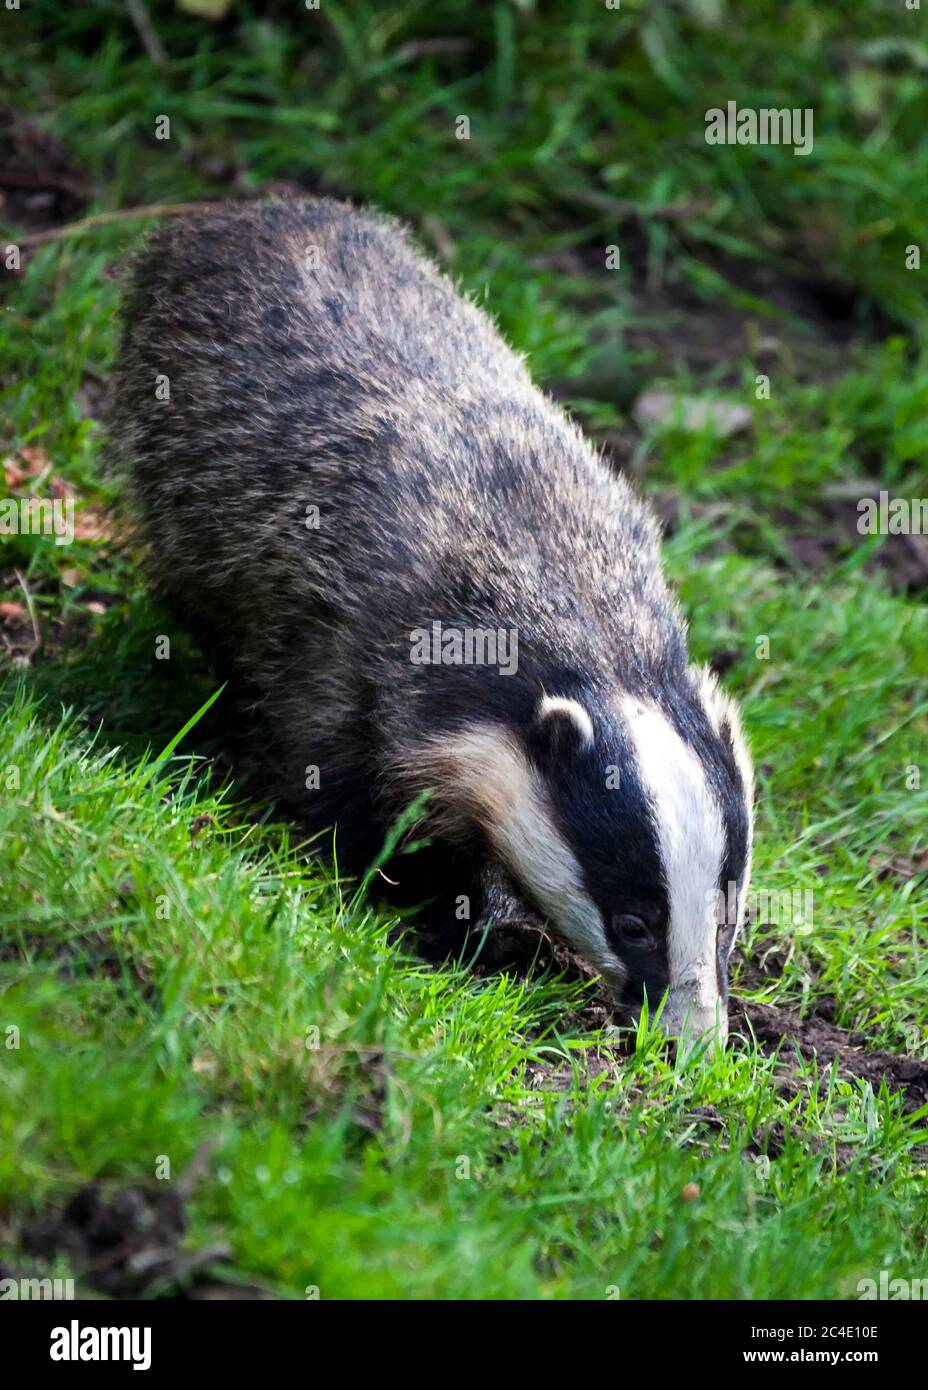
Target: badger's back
349 451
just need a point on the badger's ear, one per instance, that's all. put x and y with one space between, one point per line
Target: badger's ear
725 719
561 726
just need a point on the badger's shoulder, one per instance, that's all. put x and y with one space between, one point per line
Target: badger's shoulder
308 282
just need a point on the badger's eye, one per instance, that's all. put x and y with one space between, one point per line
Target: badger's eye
631 929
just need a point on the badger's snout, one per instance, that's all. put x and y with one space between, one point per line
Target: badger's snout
685 1012
691 1019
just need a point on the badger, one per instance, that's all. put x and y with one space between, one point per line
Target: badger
426 583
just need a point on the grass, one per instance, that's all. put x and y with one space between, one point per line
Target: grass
173 967
184 973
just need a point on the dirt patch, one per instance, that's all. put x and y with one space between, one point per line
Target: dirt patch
26 639
40 185
900 867
75 958
817 1037
831 532
589 1066
368 1112
32 626
674 325
815 539
128 1242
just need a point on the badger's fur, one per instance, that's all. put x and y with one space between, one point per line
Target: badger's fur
349 456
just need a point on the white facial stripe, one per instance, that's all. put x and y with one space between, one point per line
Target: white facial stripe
493 776
692 846
722 710
558 704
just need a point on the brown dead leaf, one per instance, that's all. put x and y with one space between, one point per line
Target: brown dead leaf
93 524
36 461
15 477
23 465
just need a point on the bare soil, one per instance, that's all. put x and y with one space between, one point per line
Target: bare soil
129 1242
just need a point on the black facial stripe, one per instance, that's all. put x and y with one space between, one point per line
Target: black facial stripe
715 751
613 834
651 978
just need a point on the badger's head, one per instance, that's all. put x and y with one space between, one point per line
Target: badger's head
628 824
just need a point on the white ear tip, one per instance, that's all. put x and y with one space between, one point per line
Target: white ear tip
572 709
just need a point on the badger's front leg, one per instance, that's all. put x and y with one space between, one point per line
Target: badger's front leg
499 902
472 902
